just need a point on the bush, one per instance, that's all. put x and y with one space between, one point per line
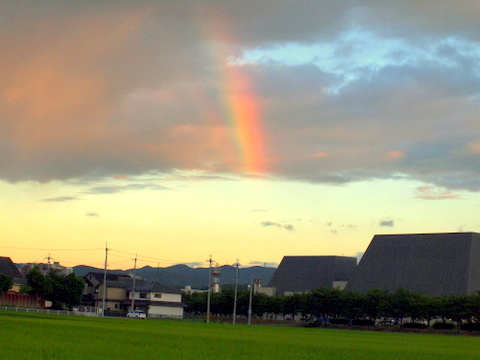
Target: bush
339 321
414 326
363 322
443 326
470 327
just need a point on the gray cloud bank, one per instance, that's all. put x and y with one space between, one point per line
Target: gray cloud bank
391 91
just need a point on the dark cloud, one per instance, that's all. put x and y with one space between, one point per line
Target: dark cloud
288 227
386 223
61 199
263 263
92 214
392 89
114 189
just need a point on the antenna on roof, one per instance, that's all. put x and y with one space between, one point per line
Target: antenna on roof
48 258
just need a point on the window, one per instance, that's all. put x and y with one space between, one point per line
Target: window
143 295
157 295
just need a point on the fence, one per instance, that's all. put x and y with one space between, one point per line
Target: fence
36 310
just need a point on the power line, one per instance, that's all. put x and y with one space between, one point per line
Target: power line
41 249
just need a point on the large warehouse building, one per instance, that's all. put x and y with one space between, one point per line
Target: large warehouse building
299 274
433 264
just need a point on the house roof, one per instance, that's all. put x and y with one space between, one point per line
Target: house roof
7 267
433 264
304 273
142 285
110 276
155 287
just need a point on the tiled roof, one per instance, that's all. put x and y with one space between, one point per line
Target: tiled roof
142 285
303 273
433 264
7 267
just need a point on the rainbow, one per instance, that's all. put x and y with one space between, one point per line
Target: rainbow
239 108
244 118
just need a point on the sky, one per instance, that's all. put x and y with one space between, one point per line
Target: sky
176 131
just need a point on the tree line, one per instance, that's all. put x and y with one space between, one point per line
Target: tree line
334 305
64 291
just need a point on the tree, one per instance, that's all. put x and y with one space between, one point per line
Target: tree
72 290
374 303
323 302
38 284
352 304
61 290
400 304
6 283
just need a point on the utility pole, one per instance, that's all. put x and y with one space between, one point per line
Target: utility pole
250 301
133 284
235 296
209 287
104 281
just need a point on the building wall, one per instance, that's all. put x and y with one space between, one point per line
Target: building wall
23 300
165 311
474 269
166 297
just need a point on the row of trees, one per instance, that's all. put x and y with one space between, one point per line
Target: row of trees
61 290
328 303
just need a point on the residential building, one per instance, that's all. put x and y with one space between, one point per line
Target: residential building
157 300
13 296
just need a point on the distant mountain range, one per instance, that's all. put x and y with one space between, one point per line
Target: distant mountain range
179 276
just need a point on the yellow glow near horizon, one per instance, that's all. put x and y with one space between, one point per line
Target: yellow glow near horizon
250 220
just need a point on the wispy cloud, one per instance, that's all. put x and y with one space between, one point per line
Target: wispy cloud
61 199
335 229
430 192
115 189
288 227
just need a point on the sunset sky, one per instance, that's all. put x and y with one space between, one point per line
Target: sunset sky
247 130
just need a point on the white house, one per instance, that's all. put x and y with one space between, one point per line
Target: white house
157 300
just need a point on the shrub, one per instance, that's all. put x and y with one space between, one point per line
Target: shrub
339 321
443 326
363 322
470 327
414 326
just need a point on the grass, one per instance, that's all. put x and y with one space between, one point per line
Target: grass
36 336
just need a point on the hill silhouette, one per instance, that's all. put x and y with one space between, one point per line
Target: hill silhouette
180 276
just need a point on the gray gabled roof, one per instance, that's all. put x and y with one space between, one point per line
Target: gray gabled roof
304 273
142 285
110 276
434 264
7 267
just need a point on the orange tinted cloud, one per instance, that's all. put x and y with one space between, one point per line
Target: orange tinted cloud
395 155
321 155
474 147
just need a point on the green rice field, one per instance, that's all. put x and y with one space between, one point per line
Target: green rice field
36 336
